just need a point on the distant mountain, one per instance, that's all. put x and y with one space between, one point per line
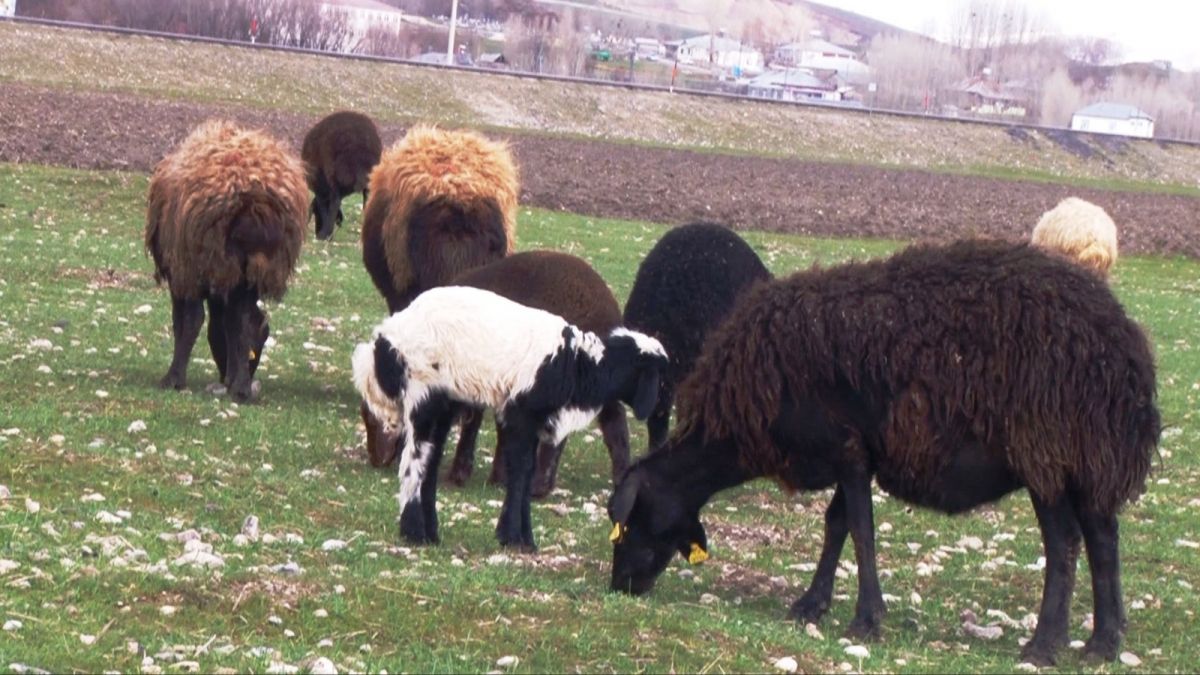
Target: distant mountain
830 18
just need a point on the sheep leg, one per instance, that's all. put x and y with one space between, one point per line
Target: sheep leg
433 452
615 430
1060 541
547 468
870 608
239 309
421 426
515 525
815 602
464 454
216 335
498 475
186 318
1100 534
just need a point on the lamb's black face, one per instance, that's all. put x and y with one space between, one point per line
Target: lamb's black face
639 383
649 527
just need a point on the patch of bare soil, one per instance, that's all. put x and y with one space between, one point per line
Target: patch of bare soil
124 131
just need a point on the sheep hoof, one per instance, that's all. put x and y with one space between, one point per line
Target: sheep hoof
173 381
808 609
412 528
458 475
1038 655
1101 649
863 628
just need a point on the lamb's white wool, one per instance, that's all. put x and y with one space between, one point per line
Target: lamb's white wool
443 347
567 421
1081 230
439 338
645 343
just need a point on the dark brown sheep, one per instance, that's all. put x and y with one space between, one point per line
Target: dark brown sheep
558 283
953 375
224 225
684 287
339 152
441 203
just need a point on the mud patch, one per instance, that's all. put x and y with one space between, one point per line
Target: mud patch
108 278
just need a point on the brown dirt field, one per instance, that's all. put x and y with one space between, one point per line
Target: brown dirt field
121 131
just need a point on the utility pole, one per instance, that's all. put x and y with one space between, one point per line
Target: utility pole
450 41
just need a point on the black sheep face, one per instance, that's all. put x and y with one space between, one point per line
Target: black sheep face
643 365
650 525
327 212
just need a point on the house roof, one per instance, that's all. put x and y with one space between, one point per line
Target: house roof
719 44
374 5
819 45
1114 111
790 77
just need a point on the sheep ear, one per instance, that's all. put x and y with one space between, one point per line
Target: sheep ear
390 371
646 396
621 506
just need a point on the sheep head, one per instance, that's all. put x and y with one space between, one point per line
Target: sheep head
639 365
650 525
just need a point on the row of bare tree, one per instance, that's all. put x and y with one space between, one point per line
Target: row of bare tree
291 23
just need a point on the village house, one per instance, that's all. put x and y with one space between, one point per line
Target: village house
731 56
1119 119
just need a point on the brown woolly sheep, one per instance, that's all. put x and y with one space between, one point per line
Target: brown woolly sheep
1079 230
441 202
224 225
339 153
953 375
558 283
685 286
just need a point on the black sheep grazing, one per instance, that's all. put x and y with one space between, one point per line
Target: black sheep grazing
339 153
953 375
687 283
563 285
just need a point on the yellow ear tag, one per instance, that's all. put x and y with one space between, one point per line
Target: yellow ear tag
698 554
617 534
252 354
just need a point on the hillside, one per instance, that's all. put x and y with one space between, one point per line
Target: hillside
84 61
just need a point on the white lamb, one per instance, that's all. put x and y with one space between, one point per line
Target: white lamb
1080 230
544 378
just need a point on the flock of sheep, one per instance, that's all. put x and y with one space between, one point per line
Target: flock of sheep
950 374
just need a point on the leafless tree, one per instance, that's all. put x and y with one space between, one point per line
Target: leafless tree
913 72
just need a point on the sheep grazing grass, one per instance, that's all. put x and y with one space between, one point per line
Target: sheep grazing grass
1081 231
544 377
685 286
339 152
224 226
953 375
563 285
441 202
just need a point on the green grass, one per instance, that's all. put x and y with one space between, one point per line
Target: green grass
162 69
74 274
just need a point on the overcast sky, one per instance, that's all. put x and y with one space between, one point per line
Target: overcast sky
1146 29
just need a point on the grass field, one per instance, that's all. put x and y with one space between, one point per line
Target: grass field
118 468
169 70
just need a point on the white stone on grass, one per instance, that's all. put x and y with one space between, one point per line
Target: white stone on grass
786 664
507 661
1130 659
858 652
12 625
322 666
333 545
136 427
201 559
108 518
